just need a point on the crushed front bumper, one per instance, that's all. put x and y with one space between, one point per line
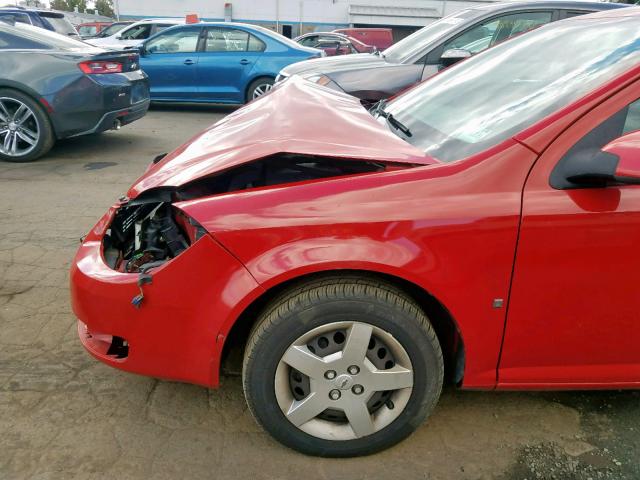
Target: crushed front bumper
178 331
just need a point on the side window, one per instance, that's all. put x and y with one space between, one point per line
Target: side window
176 41
622 122
231 40
574 14
16 17
495 30
139 32
87 30
255 44
309 41
10 42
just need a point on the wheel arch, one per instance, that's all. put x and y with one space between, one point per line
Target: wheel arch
31 93
443 322
251 81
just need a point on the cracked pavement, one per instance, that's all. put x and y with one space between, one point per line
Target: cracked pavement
63 415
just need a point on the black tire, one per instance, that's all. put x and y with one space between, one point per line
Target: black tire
257 83
46 138
320 302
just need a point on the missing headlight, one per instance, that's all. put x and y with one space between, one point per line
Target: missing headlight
146 235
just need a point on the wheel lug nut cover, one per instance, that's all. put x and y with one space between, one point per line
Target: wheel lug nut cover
334 394
329 374
353 370
357 389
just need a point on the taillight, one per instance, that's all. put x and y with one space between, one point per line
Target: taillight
100 66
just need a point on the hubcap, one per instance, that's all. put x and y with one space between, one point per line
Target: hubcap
344 380
19 129
262 89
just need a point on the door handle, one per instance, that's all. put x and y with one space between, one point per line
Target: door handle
189 62
244 62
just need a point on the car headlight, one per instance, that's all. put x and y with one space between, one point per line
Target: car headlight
319 79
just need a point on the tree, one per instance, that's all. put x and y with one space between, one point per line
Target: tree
69 5
104 7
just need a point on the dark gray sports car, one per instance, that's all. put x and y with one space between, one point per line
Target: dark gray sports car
54 87
374 76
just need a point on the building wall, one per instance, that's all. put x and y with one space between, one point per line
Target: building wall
303 15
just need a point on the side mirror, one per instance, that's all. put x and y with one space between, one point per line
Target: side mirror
118 37
454 55
617 162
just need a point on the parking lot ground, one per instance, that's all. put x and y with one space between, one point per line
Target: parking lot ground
63 415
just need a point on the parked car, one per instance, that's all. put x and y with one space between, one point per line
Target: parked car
92 29
440 44
380 38
112 29
134 34
334 43
47 19
54 87
357 253
217 62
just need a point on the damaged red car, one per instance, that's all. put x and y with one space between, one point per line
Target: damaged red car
482 229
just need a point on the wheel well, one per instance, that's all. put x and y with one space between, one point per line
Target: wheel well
442 321
260 77
33 97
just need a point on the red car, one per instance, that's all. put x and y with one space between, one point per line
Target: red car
481 228
381 38
334 43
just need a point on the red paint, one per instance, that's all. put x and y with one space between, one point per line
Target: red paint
486 227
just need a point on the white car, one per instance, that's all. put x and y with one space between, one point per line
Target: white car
134 34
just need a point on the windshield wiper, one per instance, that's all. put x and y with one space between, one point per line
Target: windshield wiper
378 108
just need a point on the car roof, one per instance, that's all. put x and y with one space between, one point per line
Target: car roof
555 4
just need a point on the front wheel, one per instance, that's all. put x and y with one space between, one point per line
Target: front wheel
25 131
342 367
259 87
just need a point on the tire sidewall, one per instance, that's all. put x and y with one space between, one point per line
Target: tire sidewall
256 83
45 139
260 374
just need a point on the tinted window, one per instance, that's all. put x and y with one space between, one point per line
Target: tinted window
139 32
309 41
495 30
231 40
624 121
489 98
8 41
175 41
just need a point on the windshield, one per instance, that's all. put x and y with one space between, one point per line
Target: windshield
112 29
496 94
413 44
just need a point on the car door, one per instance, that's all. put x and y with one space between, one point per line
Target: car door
227 58
487 33
170 60
574 310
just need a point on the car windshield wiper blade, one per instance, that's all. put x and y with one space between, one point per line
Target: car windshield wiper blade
378 108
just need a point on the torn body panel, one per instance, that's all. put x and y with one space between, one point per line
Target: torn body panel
298 118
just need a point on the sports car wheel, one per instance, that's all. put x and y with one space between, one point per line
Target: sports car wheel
342 367
25 130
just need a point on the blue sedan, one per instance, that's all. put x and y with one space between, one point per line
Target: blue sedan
217 62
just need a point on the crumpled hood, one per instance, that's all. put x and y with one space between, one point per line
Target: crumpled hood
297 117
